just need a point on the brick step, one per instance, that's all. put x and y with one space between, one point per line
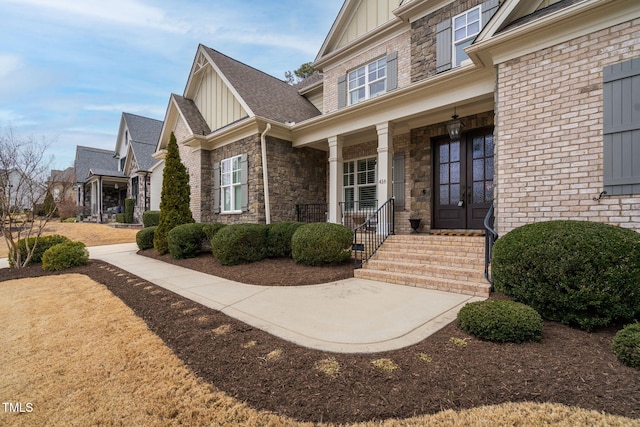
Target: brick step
448 285
464 273
467 240
435 248
450 259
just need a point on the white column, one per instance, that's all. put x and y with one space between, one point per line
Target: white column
385 162
335 178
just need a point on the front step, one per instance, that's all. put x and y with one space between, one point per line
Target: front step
442 262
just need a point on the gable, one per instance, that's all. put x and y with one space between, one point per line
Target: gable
216 102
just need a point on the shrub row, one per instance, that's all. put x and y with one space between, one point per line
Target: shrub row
65 255
579 273
150 218
44 243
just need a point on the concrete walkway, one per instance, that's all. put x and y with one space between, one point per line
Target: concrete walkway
347 316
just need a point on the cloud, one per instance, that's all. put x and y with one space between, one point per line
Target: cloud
152 110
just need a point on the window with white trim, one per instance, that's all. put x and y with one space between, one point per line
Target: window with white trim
466 26
230 184
368 81
359 184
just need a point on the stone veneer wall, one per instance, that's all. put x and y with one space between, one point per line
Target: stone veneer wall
549 144
423 37
420 164
399 44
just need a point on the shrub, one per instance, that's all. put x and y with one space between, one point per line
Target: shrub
209 231
65 255
144 237
239 243
150 218
321 243
129 207
500 321
186 240
279 238
120 218
579 273
175 196
44 243
626 345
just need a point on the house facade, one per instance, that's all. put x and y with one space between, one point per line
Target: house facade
541 128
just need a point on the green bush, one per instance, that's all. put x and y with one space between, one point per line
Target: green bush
150 218
626 345
120 218
579 273
44 243
238 243
211 230
500 321
321 243
129 207
186 240
279 237
65 255
144 237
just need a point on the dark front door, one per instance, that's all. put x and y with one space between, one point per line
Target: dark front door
463 180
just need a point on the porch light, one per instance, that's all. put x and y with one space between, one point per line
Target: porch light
454 127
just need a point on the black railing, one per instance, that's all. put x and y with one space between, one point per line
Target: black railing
371 234
353 214
312 212
490 237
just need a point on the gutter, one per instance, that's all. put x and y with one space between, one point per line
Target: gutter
265 173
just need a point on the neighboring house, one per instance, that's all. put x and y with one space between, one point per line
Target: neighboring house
61 184
136 142
449 107
20 192
105 178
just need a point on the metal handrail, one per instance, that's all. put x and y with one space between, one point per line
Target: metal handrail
312 212
371 234
489 239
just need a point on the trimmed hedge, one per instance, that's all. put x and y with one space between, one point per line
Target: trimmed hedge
150 218
626 345
321 243
129 207
279 237
65 255
144 237
500 321
44 243
120 218
186 240
238 243
579 273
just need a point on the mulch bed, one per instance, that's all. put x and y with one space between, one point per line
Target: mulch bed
568 366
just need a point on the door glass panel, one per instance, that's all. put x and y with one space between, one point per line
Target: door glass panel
478 147
478 192
488 141
478 170
489 192
488 167
444 174
444 195
454 195
455 151
444 153
455 172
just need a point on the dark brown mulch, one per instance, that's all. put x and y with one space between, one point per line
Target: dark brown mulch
568 366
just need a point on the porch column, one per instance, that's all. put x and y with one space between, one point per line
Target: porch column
385 162
335 178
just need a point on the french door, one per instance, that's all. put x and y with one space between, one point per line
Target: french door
463 180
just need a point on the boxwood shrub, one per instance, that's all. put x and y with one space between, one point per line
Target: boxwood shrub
186 240
150 218
321 243
626 345
144 237
65 255
209 231
500 321
279 236
238 243
44 243
580 273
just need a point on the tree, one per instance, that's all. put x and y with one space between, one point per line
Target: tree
24 185
305 70
174 198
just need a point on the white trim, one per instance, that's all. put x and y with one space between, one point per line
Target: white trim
468 38
232 185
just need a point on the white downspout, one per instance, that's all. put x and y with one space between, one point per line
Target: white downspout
265 173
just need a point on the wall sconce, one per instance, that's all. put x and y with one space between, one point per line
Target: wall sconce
454 127
116 186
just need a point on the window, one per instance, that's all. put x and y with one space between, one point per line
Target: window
621 128
368 81
359 184
56 194
230 184
465 27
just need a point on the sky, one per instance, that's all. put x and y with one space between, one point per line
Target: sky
70 68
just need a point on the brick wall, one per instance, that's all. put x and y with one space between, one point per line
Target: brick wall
399 43
549 145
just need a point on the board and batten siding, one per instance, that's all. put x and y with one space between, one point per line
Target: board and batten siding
622 128
369 15
216 102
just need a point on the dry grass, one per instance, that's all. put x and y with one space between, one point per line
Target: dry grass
88 233
81 357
